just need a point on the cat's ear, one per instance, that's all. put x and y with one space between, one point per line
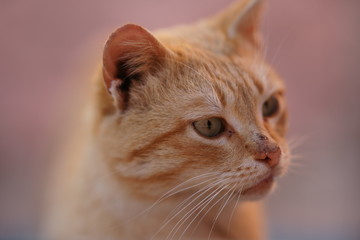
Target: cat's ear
130 53
241 20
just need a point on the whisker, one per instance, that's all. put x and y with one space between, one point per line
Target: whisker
280 46
182 218
233 211
187 188
197 225
170 193
201 210
196 207
167 221
221 209
204 205
205 188
295 142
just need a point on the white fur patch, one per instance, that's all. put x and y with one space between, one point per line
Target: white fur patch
114 88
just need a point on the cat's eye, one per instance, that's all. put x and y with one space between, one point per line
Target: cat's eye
209 127
270 107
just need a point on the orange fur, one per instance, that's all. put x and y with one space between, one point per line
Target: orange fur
143 142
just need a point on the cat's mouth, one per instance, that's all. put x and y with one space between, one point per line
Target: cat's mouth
261 187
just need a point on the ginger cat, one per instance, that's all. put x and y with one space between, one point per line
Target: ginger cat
187 126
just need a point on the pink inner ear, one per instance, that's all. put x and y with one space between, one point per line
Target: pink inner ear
251 32
132 48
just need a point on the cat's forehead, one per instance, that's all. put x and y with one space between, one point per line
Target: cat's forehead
219 59
249 74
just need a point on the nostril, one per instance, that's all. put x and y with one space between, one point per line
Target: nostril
262 157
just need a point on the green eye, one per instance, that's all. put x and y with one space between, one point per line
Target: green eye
270 107
209 127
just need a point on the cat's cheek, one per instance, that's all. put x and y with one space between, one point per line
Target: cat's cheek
145 168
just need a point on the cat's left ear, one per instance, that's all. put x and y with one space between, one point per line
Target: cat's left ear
130 54
241 20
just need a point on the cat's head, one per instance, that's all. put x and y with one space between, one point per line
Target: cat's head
194 104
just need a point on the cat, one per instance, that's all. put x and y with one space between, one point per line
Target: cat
187 128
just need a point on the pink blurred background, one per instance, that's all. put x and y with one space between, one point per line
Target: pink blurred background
48 52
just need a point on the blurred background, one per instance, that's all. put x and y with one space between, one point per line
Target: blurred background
49 50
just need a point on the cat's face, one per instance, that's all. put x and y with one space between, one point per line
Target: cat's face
196 107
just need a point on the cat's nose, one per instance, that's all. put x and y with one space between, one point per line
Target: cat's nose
268 152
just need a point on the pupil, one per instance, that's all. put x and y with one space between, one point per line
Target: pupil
209 124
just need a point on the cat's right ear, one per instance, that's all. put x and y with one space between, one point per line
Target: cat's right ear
130 53
241 20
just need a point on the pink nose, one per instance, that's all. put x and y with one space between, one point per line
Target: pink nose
268 152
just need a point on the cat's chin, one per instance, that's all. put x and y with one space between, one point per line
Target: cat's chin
259 190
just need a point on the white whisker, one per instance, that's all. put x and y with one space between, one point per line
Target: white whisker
196 207
204 189
233 210
201 210
222 208
170 193
197 225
